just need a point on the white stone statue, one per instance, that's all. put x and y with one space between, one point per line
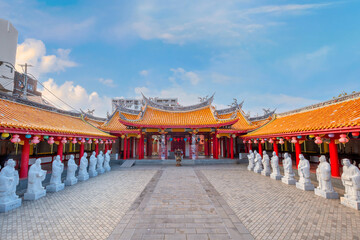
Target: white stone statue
55 181
100 162
266 163
258 164
9 179
251 158
275 167
107 161
288 170
83 173
71 169
351 181
36 175
304 182
92 165
323 175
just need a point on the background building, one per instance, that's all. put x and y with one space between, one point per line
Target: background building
135 104
8 45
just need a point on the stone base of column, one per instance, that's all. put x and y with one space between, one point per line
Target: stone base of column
350 203
70 182
327 195
288 181
305 186
100 170
7 206
276 177
34 196
55 187
265 173
257 170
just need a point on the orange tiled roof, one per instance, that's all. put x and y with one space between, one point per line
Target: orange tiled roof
154 117
114 125
19 117
334 115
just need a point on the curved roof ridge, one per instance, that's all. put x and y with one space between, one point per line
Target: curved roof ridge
190 108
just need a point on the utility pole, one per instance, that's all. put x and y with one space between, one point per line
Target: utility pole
26 78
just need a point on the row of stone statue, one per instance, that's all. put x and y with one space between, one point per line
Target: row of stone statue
350 176
9 178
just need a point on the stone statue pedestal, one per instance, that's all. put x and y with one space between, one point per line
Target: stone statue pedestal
257 171
327 195
276 177
350 203
70 182
250 169
10 205
100 170
55 187
265 173
107 169
288 181
35 196
93 173
83 178
305 186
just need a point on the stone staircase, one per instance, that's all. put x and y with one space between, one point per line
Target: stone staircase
128 163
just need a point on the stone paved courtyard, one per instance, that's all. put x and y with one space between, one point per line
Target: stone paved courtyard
191 202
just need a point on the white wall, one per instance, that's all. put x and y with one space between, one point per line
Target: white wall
8 45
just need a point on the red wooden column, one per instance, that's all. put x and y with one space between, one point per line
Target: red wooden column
60 150
334 159
250 146
260 149
96 149
276 149
24 165
119 152
142 146
228 147
232 147
216 147
125 148
297 152
206 147
81 150
106 148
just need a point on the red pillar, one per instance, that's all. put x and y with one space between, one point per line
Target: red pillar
232 147
334 159
125 148
216 147
96 149
24 165
260 149
297 152
228 147
60 150
128 148
142 146
81 150
106 148
250 146
276 148
119 152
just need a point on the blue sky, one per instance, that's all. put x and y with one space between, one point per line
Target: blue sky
272 54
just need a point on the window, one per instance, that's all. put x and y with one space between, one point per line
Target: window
30 87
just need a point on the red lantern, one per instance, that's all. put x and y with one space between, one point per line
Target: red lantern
355 134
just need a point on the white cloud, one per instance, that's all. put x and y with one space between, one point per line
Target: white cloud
182 75
77 97
107 82
33 52
285 8
144 73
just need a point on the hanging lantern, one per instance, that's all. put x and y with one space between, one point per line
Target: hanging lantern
255 141
281 141
74 141
262 141
35 140
318 140
170 139
271 140
90 141
249 141
299 137
28 136
70 138
15 139
5 135
331 135
287 138
83 140
63 141
96 141
51 142
343 139
244 141
185 139
293 140
101 142
46 137
355 134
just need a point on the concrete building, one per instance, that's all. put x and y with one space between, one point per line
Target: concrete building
135 104
8 45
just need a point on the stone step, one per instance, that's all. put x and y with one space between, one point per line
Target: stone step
128 163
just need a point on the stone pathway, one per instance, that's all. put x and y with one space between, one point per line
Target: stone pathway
180 203
273 210
87 210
